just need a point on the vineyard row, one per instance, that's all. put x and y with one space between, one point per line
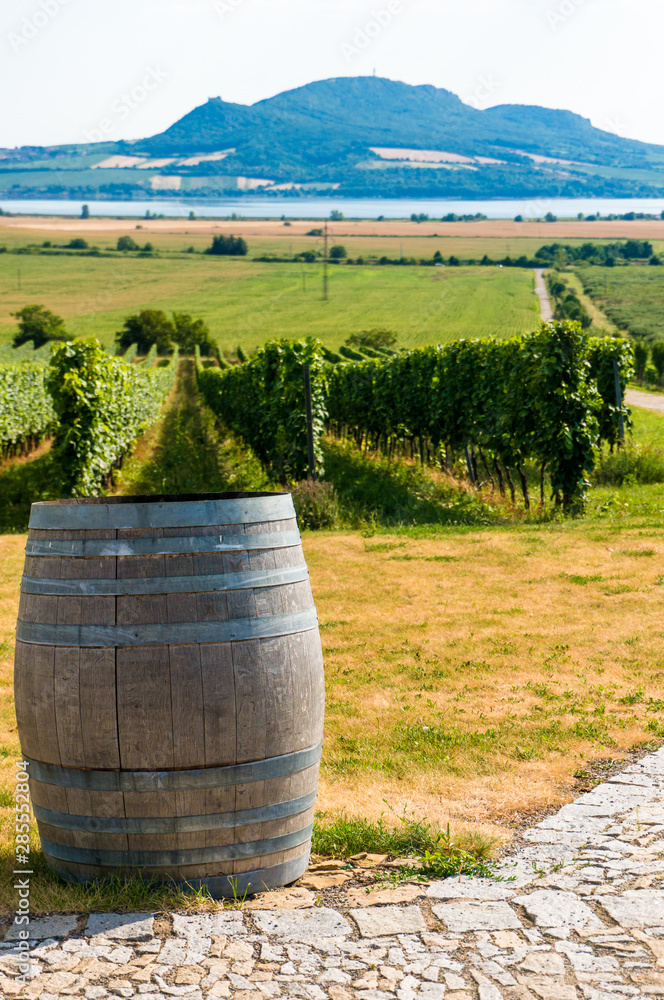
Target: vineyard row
548 397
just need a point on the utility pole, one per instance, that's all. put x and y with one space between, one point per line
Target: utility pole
325 279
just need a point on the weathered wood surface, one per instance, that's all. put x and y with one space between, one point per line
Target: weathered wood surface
183 708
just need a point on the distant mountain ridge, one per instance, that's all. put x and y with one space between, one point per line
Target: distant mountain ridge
358 136
374 112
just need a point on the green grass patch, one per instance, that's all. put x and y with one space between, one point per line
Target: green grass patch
249 303
191 453
439 855
51 894
378 491
23 483
630 296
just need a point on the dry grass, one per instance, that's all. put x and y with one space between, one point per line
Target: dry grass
548 232
469 675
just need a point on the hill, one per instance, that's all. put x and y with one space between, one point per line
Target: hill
355 136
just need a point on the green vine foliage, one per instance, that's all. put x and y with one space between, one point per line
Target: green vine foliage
545 397
602 352
102 404
529 398
26 408
263 401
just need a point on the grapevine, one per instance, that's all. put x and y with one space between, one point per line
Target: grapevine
102 404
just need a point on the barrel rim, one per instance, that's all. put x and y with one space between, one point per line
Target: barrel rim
159 498
161 511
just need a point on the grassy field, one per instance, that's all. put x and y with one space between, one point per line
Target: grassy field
472 671
248 303
632 297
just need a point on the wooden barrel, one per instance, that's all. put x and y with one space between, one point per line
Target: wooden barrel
169 689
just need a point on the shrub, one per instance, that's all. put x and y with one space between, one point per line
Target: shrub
126 243
377 339
631 464
641 355
190 333
228 246
657 355
316 504
39 325
650 374
148 327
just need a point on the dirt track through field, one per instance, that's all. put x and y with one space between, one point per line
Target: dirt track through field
543 296
645 399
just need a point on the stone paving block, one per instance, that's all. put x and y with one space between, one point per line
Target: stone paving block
432 991
554 908
382 921
477 916
546 963
41 928
308 926
615 798
470 888
487 991
208 924
549 989
121 926
636 908
566 841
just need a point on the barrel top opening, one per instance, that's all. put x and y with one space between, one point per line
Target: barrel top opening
159 498
161 511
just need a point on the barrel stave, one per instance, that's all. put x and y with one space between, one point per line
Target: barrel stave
97 692
87 568
250 701
186 704
66 674
144 711
218 704
185 608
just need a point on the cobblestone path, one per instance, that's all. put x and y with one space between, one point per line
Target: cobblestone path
583 917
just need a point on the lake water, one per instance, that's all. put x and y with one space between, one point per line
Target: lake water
352 208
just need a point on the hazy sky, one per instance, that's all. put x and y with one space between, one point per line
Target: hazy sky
76 70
